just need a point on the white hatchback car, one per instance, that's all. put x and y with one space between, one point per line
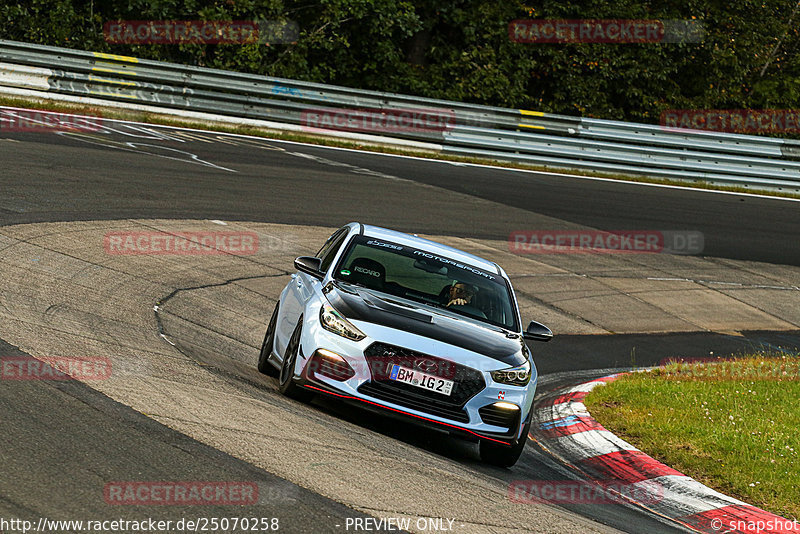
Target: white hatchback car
409 328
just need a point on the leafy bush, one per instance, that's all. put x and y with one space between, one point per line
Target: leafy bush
460 50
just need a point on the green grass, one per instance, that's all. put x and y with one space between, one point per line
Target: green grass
732 425
169 120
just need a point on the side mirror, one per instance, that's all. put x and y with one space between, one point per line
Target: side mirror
309 265
537 332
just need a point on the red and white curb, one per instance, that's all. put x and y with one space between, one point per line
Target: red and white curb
564 427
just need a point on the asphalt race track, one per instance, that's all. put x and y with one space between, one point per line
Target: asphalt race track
327 187
61 441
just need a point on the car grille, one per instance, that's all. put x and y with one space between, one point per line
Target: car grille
467 381
420 404
492 415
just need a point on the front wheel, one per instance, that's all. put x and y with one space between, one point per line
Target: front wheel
503 455
286 381
264 365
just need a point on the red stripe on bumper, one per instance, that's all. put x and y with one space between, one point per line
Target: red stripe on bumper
350 397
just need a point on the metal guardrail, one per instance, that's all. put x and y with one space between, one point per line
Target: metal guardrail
495 133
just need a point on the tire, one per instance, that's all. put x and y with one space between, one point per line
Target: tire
286 381
503 455
266 347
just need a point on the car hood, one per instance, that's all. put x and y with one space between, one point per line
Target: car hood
362 304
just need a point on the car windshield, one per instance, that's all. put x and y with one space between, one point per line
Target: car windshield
428 278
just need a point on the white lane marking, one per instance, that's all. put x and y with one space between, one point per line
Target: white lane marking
679 496
135 148
545 173
589 444
95 124
478 165
352 168
562 409
225 120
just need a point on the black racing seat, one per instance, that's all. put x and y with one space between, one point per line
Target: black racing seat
367 272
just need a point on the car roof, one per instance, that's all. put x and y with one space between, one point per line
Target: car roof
431 246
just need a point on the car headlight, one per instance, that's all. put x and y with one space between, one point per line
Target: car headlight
333 321
515 376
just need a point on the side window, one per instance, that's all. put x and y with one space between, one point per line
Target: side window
331 247
329 242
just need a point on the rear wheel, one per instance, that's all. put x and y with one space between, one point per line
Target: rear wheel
286 381
264 365
503 455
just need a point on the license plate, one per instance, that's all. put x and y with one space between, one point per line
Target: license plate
421 380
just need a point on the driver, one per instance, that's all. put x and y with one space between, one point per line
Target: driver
458 294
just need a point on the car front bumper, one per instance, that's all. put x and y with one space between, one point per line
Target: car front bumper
309 375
